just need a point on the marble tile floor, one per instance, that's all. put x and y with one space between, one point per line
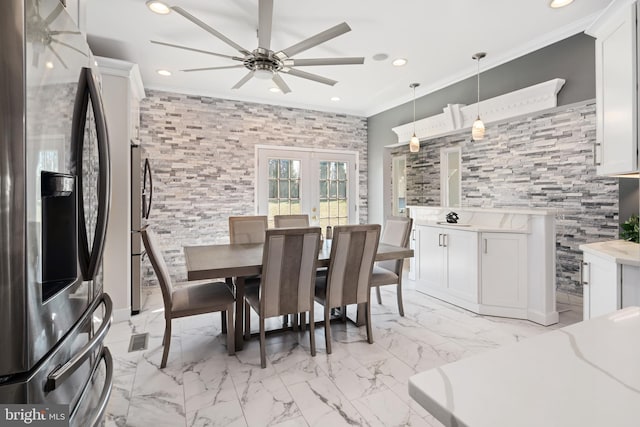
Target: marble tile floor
358 384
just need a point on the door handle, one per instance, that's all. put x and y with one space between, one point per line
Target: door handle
582 279
596 145
101 406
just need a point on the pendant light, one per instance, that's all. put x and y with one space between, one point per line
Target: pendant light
414 142
477 130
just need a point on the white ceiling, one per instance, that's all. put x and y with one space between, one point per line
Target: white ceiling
437 37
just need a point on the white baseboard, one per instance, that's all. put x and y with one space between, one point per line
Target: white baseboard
121 315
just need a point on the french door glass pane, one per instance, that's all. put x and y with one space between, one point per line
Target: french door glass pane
333 183
284 188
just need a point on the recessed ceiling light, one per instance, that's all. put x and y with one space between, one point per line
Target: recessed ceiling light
556 4
275 89
48 64
158 7
399 62
335 98
165 73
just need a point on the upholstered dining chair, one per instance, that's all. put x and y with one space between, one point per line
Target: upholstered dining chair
353 251
247 229
189 300
284 221
286 284
397 230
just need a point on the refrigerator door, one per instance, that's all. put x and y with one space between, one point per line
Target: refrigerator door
45 57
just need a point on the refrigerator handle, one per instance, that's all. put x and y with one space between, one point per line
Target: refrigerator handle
104 178
146 207
100 407
61 373
87 88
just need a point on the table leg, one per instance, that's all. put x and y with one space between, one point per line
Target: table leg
239 330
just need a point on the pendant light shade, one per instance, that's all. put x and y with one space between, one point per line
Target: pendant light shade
477 130
414 142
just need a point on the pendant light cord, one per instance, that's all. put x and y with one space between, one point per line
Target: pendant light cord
414 110
478 103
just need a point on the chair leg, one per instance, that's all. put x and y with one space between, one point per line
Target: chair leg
378 295
303 321
247 321
312 331
368 317
327 329
399 295
294 322
285 320
343 311
223 319
263 355
231 344
166 342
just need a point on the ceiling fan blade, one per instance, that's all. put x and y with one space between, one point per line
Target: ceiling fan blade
57 56
316 40
69 46
265 19
323 61
309 76
243 80
53 15
210 30
235 58
277 79
188 70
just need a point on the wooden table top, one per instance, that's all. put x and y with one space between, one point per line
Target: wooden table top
233 260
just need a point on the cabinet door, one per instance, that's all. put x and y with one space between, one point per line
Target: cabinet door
462 263
430 271
601 286
616 94
504 270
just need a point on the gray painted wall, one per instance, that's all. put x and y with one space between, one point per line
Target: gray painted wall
572 59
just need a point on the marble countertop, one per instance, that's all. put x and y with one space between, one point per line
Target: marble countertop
619 251
471 227
583 375
514 210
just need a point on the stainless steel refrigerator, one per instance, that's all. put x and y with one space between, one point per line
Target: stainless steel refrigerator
141 200
54 205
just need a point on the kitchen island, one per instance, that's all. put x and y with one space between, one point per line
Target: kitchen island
583 375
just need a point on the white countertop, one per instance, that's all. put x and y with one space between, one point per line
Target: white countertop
619 251
583 375
478 228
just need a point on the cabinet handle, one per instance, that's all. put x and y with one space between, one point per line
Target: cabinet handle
485 246
413 234
445 240
595 154
582 266
439 239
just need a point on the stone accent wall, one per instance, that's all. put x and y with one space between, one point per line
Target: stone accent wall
202 152
541 161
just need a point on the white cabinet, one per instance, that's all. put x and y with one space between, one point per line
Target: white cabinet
616 150
447 264
608 286
503 266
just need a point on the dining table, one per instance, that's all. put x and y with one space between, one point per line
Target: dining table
240 261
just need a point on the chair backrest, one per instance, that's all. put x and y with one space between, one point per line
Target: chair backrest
284 221
289 270
397 230
353 251
159 267
247 229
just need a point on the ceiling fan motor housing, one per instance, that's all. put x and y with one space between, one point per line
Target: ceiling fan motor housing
263 60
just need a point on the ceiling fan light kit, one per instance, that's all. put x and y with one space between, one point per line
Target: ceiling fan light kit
477 130
262 62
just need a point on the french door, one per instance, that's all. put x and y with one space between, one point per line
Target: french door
320 183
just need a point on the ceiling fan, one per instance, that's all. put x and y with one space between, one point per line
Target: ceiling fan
263 62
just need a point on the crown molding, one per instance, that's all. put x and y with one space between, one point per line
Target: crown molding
458 116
